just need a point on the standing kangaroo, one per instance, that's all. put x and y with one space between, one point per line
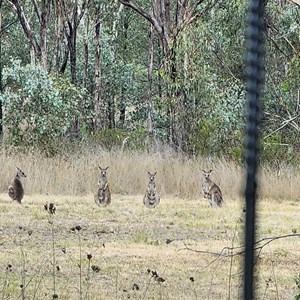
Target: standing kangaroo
151 199
16 190
210 190
103 197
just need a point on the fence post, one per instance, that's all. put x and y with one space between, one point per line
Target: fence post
254 83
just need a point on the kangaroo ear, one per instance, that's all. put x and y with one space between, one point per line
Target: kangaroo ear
154 174
149 173
210 171
18 169
106 168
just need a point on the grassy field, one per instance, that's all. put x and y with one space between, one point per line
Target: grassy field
182 249
43 254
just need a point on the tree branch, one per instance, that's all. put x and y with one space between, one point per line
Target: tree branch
235 251
25 25
297 2
144 14
82 11
285 123
180 11
194 14
36 9
5 27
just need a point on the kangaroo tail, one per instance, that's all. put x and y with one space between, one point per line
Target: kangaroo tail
218 199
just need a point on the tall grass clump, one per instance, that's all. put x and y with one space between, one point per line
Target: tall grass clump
178 175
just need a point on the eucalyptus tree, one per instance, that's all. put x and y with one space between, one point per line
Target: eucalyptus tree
51 29
71 14
117 62
150 76
38 109
99 105
170 21
281 119
10 43
38 42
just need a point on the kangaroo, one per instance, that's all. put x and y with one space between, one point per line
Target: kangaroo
103 197
211 191
16 190
151 199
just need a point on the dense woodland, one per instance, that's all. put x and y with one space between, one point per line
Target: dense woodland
142 74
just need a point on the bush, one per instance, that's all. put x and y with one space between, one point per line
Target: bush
38 108
138 139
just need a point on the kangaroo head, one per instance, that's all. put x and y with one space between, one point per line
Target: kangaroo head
206 174
20 173
151 176
103 171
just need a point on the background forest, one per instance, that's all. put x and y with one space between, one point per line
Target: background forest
143 74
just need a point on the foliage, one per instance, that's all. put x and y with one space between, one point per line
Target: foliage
75 100
204 102
12 38
120 78
278 148
38 109
281 100
213 83
297 281
108 138
137 139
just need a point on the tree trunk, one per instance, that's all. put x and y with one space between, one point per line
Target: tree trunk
61 47
122 109
86 53
70 29
150 73
112 99
71 38
59 39
72 51
111 112
44 17
64 61
99 107
70 26
40 48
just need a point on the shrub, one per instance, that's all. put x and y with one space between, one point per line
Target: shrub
38 108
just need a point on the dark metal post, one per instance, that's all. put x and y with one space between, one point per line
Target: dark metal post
1 64
254 81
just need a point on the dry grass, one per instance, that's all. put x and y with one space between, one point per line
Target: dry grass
127 239
176 175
